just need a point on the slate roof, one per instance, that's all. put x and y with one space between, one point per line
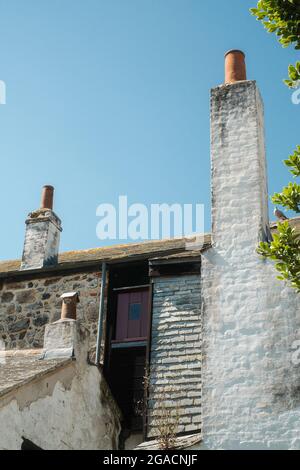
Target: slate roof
170 248
20 367
115 253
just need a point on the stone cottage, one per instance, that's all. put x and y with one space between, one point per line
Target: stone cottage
101 344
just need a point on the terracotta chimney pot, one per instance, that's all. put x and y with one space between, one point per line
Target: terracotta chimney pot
69 305
47 197
235 66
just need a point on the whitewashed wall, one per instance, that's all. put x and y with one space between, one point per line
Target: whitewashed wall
70 408
251 389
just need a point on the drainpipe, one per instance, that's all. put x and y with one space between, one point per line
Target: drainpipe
101 314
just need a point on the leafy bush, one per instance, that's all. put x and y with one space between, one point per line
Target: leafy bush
282 17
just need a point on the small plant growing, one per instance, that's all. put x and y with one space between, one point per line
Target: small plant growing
167 423
166 419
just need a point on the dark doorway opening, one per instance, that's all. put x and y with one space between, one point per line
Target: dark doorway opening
127 339
127 384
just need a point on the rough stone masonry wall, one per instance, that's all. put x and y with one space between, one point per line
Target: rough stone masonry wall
27 306
251 387
175 371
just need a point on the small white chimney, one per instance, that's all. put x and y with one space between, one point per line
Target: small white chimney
67 337
42 235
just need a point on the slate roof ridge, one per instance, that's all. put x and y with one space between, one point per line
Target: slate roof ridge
151 248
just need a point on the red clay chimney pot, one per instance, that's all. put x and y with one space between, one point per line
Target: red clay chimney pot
47 197
235 66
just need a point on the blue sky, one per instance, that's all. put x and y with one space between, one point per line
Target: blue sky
111 97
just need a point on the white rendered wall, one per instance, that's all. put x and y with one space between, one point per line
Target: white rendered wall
69 408
66 411
251 387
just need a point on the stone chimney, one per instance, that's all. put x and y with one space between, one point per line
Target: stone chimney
239 181
42 236
250 388
67 337
237 305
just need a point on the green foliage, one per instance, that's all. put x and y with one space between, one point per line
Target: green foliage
290 195
282 17
294 74
285 250
285 247
293 162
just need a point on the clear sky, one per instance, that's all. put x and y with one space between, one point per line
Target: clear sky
111 97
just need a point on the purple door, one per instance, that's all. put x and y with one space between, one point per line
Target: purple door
132 315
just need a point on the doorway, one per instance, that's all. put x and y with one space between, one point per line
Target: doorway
128 336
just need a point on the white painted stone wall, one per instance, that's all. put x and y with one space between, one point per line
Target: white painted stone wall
251 388
70 408
42 237
62 412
